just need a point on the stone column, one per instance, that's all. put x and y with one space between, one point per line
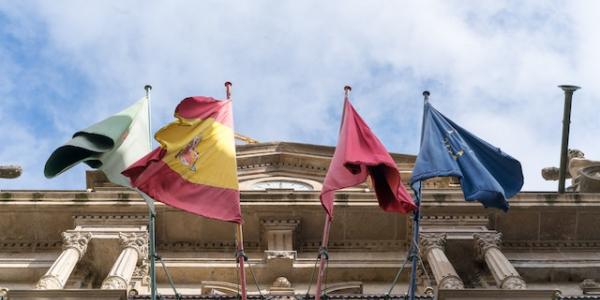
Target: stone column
135 248
74 247
487 247
432 246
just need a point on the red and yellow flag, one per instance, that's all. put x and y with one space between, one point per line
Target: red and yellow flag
194 169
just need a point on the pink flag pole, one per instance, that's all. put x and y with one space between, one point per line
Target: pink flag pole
323 254
240 255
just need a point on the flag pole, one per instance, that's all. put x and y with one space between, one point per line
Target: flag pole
240 255
416 216
323 254
151 214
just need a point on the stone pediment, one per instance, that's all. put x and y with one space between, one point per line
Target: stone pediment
294 161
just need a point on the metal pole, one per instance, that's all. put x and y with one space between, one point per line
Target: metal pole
568 89
416 218
413 250
240 256
323 256
228 90
151 215
148 88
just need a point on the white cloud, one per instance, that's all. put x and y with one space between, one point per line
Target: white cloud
492 66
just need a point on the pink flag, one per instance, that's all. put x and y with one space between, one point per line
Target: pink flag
359 153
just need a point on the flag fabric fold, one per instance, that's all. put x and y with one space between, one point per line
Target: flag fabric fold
359 154
110 145
195 167
486 174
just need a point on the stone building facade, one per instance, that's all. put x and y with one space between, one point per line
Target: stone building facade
92 244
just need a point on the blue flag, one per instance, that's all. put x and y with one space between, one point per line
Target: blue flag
486 174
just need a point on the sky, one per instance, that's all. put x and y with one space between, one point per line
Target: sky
491 66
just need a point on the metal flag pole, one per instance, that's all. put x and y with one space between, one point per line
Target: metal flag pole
414 249
241 258
562 173
323 254
240 255
151 214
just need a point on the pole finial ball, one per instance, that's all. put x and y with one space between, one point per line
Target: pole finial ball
147 87
228 83
426 93
347 88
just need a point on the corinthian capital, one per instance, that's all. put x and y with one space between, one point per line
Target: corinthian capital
429 241
76 240
136 240
485 241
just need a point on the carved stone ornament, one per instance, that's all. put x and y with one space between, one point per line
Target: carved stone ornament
48 282
514 283
281 282
590 286
280 254
282 289
143 271
136 240
114 283
429 291
423 277
451 282
76 240
428 241
485 241
589 283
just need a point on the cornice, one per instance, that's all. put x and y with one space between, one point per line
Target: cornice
354 245
278 160
432 198
305 149
298 296
455 220
265 157
33 246
550 245
210 246
283 147
274 223
110 220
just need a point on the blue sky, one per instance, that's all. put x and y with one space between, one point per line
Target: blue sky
491 66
